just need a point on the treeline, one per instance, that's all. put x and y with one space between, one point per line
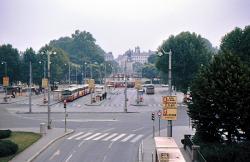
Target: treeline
79 51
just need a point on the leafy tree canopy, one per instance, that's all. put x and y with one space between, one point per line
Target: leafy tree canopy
189 52
81 47
220 99
237 42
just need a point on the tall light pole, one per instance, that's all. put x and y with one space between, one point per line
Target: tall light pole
5 73
85 75
169 127
48 53
30 92
44 76
69 72
125 90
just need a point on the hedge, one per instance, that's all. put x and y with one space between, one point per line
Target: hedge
5 133
7 148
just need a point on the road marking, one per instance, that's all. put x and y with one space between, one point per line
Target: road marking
118 137
110 145
75 135
80 144
93 136
55 154
137 129
85 135
109 137
136 138
105 134
104 158
127 138
68 158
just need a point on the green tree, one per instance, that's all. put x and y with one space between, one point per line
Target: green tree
152 59
220 99
189 52
81 47
150 71
237 42
10 55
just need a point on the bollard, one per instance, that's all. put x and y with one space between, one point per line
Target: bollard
195 149
42 129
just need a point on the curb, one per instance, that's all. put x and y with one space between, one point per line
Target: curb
50 143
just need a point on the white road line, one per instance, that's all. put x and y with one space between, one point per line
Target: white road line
80 144
108 130
109 137
127 138
55 154
85 135
97 138
118 137
75 135
136 138
137 129
68 158
93 136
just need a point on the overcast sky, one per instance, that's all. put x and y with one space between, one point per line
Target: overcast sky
118 25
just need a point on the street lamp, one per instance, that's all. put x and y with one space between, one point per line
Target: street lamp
169 127
48 53
69 72
44 76
5 73
85 75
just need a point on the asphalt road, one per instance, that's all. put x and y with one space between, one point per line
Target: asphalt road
104 134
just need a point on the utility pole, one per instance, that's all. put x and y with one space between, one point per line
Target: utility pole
169 128
30 110
69 74
125 90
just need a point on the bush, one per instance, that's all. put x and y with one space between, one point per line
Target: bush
217 152
7 148
5 133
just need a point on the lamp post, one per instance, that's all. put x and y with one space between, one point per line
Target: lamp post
125 90
30 92
69 72
44 76
169 127
85 75
48 53
5 73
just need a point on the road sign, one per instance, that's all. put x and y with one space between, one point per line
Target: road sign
169 99
138 84
5 81
45 83
169 114
91 83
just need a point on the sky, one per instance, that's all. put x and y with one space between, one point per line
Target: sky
118 25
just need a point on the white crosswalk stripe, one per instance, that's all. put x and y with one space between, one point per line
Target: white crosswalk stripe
78 134
106 137
93 136
127 138
118 137
136 138
100 137
109 137
83 136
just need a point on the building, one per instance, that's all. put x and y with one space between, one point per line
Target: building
108 56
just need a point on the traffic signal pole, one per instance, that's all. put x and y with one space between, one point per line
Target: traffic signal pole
169 127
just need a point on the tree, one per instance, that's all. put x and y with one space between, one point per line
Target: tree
152 59
220 99
189 52
149 71
81 47
237 42
10 55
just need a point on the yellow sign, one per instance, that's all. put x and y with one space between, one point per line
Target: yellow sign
5 81
169 99
169 114
164 156
138 84
91 83
45 83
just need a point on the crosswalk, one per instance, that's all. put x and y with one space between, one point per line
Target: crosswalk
112 137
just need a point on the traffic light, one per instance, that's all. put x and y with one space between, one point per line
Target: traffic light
153 116
64 104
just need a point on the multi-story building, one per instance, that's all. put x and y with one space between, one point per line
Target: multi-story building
108 56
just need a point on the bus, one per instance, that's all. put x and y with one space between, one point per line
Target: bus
150 89
74 92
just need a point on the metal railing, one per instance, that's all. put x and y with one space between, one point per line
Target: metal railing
193 150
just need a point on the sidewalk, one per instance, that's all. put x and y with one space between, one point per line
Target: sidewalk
178 134
44 142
